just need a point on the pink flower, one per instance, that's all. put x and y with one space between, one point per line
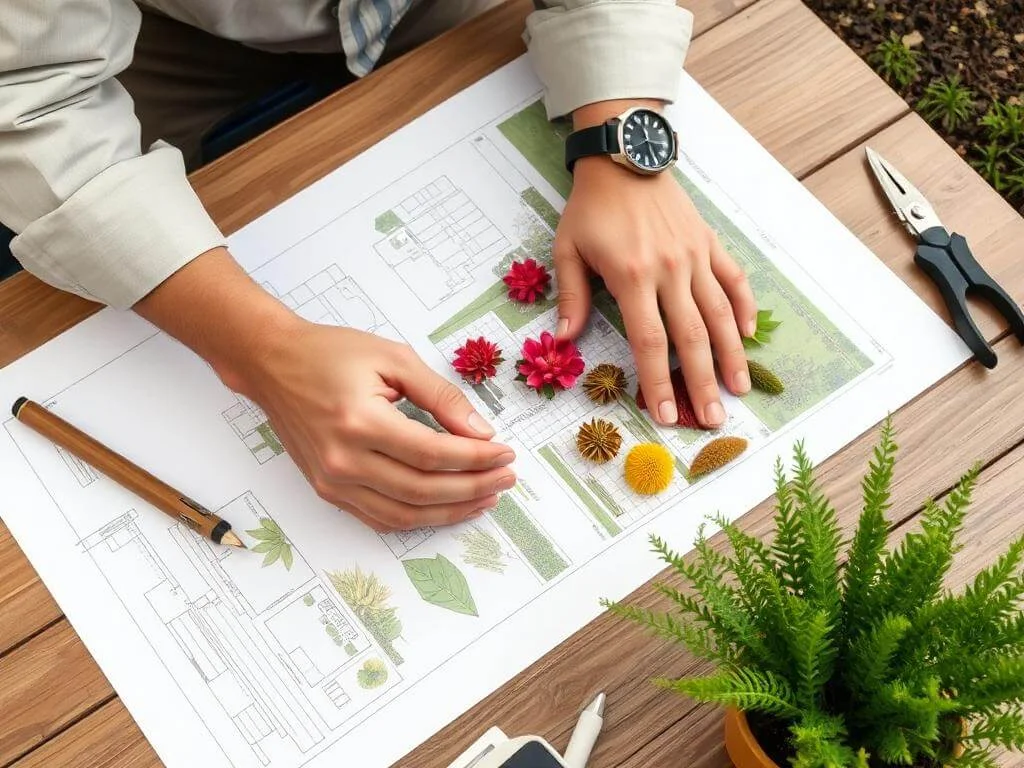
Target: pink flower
549 364
526 280
477 359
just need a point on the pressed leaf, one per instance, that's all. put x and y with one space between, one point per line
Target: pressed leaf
265 546
441 583
286 556
272 556
262 534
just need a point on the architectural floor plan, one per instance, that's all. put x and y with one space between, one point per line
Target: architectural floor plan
325 643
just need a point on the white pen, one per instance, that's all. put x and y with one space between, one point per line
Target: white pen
585 734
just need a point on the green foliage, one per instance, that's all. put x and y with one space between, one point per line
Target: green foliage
1005 123
895 62
482 550
441 583
368 598
872 663
1001 159
273 544
373 674
947 101
763 332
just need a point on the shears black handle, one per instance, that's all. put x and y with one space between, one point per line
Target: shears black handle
948 261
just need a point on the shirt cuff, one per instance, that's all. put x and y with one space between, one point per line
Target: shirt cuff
627 49
123 233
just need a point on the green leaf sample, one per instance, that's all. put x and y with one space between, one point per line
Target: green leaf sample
856 652
482 550
763 332
273 544
763 379
441 583
373 674
307 600
368 599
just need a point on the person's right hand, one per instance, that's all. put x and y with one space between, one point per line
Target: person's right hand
330 393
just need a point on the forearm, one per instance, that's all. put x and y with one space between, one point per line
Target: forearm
215 309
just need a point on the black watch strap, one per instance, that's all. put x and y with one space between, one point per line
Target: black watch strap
597 140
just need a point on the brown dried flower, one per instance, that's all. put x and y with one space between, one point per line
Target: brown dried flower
605 382
716 454
599 441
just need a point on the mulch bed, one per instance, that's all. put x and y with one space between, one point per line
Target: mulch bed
981 40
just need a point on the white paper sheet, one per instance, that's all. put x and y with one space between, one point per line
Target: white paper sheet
223 661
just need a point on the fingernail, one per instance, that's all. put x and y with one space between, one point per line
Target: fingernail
750 328
714 413
505 483
504 459
741 381
667 412
563 327
477 423
476 513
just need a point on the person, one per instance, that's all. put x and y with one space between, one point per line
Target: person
102 110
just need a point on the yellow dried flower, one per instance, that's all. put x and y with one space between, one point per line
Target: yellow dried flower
763 379
649 468
605 382
716 454
599 441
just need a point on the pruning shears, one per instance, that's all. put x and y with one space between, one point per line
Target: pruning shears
947 260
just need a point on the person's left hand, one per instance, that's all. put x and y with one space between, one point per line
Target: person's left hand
671 277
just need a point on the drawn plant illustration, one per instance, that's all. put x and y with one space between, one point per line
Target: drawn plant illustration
307 600
482 550
373 674
273 544
368 599
440 582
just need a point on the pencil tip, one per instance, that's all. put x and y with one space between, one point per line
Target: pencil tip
232 540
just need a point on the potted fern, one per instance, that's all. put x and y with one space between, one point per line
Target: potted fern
833 654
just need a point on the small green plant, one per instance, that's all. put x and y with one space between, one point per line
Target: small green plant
871 664
273 544
1005 124
368 598
763 331
895 62
373 674
947 101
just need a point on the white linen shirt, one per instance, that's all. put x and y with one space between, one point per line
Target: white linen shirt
98 215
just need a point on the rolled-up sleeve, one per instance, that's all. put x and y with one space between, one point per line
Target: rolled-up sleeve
93 213
586 51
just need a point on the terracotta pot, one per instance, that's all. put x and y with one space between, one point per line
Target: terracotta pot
742 746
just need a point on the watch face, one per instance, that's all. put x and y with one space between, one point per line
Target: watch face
647 140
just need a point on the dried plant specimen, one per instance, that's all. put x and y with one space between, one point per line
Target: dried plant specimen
605 383
549 364
649 468
716 454
687 416
527 280
763 379
599 441
477 359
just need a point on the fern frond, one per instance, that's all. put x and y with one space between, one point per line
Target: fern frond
813 653
973 757
745 689
818 740
787 546
993 682
865 558
671 629
1003 729
869 657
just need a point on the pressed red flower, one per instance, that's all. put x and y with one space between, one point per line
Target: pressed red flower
526 280
548 364
687 415
477 359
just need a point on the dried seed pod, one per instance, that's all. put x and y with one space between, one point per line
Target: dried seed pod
605 383
716 454
649 468
599 441
763 379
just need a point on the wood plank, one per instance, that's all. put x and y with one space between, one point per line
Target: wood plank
994 519
963 200
25 603
46 684
792 83
108 738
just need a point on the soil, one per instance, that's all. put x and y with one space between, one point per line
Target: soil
981 40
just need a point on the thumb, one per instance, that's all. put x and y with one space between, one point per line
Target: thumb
573 291
442 399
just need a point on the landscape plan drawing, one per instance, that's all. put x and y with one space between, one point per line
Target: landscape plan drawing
326 643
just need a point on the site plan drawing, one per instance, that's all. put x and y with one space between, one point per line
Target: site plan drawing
326 643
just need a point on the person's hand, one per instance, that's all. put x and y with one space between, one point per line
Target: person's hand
330 393
672 279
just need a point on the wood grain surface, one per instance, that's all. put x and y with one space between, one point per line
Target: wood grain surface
813 104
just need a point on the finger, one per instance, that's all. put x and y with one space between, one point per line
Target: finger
437 396
417 445
367 520
649 342
573 289
720 320
422 489
734 282
398 515
690 337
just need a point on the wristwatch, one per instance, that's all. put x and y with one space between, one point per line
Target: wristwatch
640 139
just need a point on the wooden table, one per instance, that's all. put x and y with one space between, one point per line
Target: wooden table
813 104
